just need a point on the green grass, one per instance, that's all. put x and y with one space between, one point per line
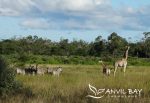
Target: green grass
72 85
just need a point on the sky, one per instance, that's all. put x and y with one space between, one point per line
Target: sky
74 19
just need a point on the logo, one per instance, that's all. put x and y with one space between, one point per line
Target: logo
100 93
96 92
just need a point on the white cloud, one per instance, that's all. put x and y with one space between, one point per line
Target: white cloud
75 14
22 6
8 12
35 24
15 7
69 5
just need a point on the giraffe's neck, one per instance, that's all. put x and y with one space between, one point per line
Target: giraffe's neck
126 54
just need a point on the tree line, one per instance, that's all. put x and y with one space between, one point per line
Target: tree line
113 46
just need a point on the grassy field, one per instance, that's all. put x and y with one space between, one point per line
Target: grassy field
72 85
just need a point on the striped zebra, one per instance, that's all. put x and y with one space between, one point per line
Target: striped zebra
54 71
20 71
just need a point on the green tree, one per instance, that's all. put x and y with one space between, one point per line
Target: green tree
116 43
98 47
147 44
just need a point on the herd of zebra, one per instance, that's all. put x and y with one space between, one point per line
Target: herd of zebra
31 70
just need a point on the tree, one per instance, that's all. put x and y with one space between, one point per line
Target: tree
146 34
64 47
116 43
98 47
147 44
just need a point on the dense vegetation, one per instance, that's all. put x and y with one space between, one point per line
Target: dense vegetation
29 49
8 84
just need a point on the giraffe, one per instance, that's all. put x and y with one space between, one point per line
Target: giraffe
122 62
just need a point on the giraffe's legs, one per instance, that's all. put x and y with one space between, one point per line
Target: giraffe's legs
124 69
115 70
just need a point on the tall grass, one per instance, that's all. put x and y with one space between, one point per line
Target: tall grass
72 85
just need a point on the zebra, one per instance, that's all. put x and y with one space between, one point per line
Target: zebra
50 70
54 71
57 71
40 71
20 71
31 70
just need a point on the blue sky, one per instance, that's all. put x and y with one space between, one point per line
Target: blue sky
74 19
132 3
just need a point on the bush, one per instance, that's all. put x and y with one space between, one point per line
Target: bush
6 78
86 60
8 84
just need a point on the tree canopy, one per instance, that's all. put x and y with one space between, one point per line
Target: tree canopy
114 45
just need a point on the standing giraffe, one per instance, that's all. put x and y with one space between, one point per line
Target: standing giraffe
122 62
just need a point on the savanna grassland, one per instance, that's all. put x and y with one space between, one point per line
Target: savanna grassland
80 68
72 85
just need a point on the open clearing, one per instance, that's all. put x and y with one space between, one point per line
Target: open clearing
72 85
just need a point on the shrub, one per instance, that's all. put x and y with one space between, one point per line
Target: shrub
6 78
8 84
